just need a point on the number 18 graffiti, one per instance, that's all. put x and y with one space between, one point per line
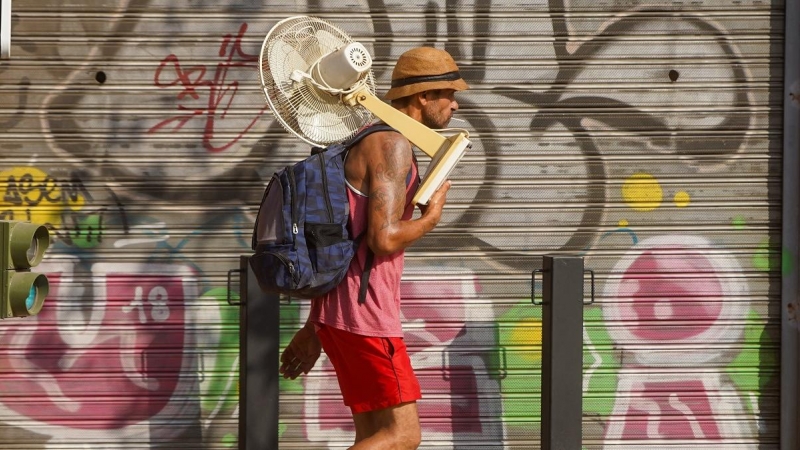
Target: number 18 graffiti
157 297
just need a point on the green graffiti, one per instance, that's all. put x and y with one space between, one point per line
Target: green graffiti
87 232
767 260
787 261
519 338
290 323
761 351
223 379
281 429
764 259
738 222
601 365
229 440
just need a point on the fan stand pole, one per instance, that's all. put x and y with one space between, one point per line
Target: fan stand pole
427 140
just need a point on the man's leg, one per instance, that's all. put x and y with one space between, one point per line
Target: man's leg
394 428
373 373
363 424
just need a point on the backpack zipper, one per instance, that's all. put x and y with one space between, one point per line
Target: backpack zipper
292 190
289 264
325 186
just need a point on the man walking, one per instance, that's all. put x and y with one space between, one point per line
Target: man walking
364 341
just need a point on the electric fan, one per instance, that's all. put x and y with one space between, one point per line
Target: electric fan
319 84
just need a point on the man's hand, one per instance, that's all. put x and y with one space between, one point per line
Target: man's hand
436 203
301 354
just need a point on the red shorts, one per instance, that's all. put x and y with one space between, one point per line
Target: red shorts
373 372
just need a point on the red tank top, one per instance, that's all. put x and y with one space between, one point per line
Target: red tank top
379 315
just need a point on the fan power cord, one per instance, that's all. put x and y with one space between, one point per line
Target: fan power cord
453 130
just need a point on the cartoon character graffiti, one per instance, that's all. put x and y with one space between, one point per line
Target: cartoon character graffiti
669 304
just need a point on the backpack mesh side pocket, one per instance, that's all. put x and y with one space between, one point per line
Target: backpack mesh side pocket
269 225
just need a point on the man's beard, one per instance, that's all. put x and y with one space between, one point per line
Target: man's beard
434 120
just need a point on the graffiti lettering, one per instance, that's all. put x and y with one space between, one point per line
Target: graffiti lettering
157 298
27 191
219 91
32 187
29 194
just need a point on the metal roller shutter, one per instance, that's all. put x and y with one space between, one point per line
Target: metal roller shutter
643 135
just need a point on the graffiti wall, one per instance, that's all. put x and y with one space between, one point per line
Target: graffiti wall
643 135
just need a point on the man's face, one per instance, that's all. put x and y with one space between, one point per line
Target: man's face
439 109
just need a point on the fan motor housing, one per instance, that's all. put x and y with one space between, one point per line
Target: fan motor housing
342 68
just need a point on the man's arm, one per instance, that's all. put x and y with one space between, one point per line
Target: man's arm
388 162
302 352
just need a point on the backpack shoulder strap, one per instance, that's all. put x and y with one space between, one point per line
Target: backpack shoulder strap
362 291
341 148
380 126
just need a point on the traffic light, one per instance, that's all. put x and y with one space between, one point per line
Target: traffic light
22 246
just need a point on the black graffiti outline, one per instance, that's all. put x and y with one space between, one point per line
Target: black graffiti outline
609 36
566 75
25 85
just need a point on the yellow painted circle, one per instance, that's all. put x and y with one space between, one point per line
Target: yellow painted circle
527 333
682 199
642 192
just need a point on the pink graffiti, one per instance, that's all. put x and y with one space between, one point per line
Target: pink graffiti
667 288
670 410
101 365
672 291
218 93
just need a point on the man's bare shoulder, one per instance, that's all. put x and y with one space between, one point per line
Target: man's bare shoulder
379 155
384 145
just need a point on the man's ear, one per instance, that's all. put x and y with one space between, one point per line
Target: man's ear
421 98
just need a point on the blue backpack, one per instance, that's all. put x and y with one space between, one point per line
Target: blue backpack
301 243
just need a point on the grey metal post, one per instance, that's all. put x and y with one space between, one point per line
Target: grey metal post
790 286
259 343
562 352
5 29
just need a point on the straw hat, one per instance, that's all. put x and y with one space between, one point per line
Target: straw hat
424 69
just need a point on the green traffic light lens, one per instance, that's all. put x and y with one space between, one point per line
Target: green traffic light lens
31 300
26 293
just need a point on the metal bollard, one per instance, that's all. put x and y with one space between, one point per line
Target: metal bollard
259 341
562 350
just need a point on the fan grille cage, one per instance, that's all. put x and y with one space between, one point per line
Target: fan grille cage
313 115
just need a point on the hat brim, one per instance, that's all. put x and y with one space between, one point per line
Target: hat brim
411 89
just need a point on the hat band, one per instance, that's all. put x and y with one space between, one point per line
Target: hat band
449 76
